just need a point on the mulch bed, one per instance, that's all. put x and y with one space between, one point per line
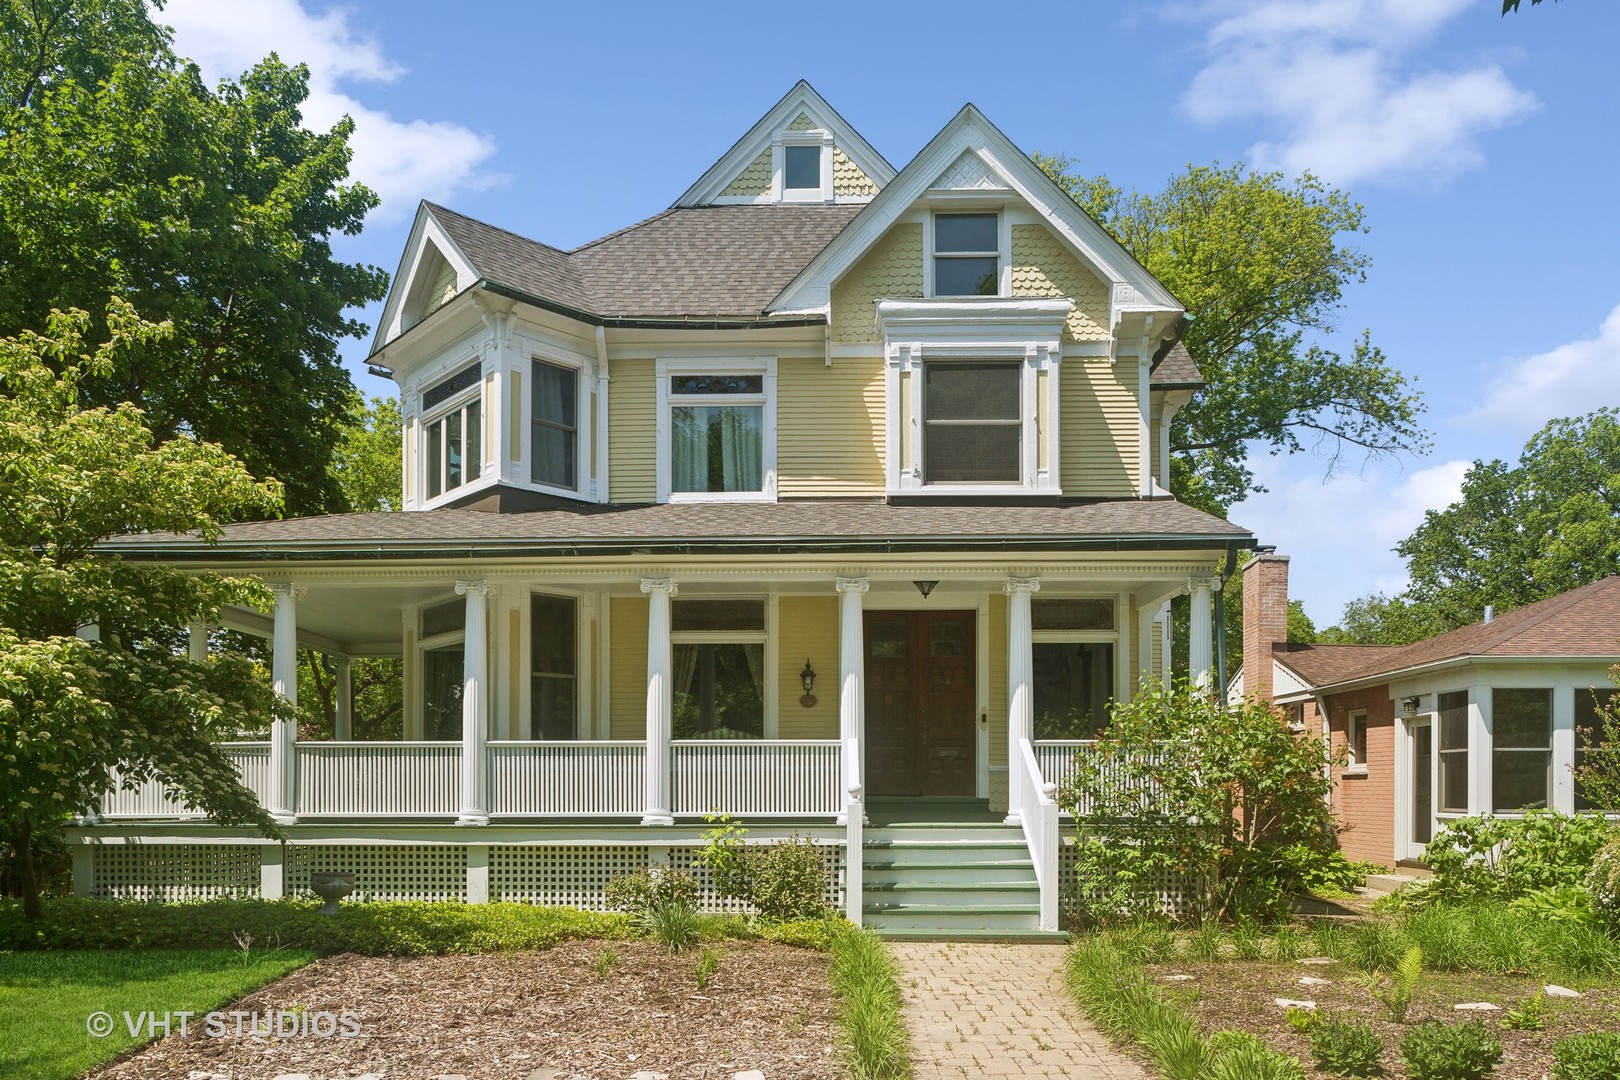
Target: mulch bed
1241 996
502 1016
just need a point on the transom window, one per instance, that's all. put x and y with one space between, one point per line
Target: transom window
453 440
801 167
1453 708
718 650
1073 657
554 423
1521 749
972 429
718 431
967 255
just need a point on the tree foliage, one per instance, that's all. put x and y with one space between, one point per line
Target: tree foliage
1521 533
122 173
1377 619
1261 266
1186 789
72 709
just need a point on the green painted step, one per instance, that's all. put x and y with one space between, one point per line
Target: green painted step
901 933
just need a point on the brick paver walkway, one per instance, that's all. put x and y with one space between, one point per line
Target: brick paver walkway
998 1010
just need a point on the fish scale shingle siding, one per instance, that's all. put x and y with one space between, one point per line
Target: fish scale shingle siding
755 179
1100 422
848 179
1042 266
893 267
829 427
633 432
802 122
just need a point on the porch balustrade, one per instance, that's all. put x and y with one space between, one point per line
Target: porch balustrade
407 779
779 777
568 779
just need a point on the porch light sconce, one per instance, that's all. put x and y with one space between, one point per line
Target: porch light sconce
1409 706
925 587
808 678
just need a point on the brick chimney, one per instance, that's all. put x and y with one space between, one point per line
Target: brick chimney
1265 618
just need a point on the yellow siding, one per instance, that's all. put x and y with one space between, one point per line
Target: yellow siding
997 697
802 122
517 671
1042 266
1100 421
848 179
807 630
1158 651
829 427
633 432
892 268
514 384
1133 649
627 689
755 179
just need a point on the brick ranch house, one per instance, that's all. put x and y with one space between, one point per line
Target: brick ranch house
1483 719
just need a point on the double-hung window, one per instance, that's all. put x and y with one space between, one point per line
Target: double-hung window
1521 749
717 432
452 442
1074 642
1355 739
554 425
967 254
973 428
444 631
718 650
1454 752
1590 746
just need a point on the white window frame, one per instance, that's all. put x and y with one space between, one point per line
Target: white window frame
779 189
1496 748
1025 421
425 645
583 421
427 419
946 205
1355 723
763 366
762 638
1115 637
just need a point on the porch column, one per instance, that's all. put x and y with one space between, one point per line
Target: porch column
852 669
474 704
1145 618
343 698
1199 653
1020 690
660 667
197 643
284 680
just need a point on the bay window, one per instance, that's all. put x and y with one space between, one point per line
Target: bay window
554 425
716 432
1521 749
1453 708
718 650
1074 643
452 431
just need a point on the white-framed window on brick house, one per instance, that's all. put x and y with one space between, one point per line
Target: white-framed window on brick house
1075 643
718 653
1355 742
717 430
452 432
554 415
1521 749
1453 753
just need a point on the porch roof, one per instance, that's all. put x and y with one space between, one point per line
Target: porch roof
709 527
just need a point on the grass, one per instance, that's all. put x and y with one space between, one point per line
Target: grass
866 981
46 998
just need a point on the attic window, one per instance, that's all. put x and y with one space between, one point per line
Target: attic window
801 168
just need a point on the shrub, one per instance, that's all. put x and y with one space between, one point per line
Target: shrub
1561 903
1374 946
1603 883
1287 944
1531 1016
1499 939
788 880
1488 857
652 887
1311 868
1436 1051
674 925
1593 1056
1345 1048
1251 1061
1300 1020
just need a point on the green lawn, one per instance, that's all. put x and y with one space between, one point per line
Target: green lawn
46 998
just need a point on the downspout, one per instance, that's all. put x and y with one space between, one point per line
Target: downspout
601 418
1220 620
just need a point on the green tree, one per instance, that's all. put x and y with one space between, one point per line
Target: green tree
1262 267
1521 533
71 709
122 173
1513 5
1376 619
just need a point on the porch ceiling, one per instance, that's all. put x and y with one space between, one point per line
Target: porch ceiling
350 620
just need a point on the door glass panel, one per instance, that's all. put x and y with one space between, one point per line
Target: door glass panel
947 639
889 639
1422 784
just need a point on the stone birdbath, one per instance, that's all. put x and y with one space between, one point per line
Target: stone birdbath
331 886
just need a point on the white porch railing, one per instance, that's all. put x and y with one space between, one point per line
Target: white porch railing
563 779
366 779
1039 816
758 778
1056 758
151 799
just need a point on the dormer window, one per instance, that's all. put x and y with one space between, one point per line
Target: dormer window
967 255
453 449
801 168
801 164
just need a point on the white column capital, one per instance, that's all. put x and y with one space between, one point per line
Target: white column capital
286 590
1021 585
663 585
477 588
856 585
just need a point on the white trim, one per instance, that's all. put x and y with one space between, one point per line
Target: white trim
981 679
764 366
425 228
816 137
1355 719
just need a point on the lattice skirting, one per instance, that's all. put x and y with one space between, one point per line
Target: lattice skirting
384 872
1173 896
175 871
560 876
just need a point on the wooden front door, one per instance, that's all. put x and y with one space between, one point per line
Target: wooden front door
919 702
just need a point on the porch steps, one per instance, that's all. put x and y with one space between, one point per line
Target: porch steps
943 880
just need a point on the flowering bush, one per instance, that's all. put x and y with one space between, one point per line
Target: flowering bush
1603 883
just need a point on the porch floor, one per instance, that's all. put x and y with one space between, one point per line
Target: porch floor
885 811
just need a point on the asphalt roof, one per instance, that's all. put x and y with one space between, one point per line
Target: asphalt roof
1581 622
718 527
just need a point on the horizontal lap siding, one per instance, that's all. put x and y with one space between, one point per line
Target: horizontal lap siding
632 432
807 629
627 690
1100 427
829 427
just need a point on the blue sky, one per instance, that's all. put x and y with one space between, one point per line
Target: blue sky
1482 147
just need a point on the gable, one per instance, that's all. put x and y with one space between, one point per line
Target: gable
752 171
432 271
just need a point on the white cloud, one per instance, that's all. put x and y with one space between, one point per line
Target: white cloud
402 160
1335 83
1569 380
1341 533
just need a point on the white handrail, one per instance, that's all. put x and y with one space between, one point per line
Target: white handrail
1040 820
854 832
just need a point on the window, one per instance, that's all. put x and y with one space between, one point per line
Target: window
443 629
719 660
967 255
1454 752
972 430
453 453
1073 657
801 167
555 425
1589 737
1521 749
553 660
1355 740
717 433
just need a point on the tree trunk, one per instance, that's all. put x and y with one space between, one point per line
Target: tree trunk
22 843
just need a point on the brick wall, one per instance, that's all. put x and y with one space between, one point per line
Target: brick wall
1364 805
